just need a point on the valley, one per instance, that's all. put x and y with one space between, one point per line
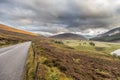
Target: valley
55 59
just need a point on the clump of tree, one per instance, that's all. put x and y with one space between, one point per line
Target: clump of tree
58 42
92 43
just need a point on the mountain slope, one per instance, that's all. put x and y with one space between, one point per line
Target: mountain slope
69 36
110 36
7 28
10 35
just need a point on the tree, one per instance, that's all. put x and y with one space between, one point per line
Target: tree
92 44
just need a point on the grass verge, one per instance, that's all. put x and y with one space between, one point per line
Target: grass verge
30 66
41 71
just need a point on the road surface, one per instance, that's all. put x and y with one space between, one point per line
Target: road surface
117 52
12 61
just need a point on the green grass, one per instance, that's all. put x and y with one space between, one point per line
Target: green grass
30 66
100 47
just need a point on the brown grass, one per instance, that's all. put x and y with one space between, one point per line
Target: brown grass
4 27
79 65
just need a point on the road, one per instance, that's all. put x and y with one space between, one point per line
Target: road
117 52
12 61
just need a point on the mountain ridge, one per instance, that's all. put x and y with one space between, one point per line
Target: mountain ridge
69 36
112 35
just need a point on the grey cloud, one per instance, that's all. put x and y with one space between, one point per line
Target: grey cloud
69 15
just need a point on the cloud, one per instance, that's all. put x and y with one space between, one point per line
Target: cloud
55 16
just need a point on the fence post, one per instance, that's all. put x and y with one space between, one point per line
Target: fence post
34 52
36 71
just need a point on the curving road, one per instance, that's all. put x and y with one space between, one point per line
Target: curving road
12 61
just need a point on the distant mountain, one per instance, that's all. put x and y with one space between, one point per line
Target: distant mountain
89 36
69 36
112 35
8 28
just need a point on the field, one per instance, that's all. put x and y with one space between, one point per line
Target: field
97 47
79 64
60 62
67 60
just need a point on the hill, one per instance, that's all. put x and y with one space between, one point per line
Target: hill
111 36
8 28
69 36
9 35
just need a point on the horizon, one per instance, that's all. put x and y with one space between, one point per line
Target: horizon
48 35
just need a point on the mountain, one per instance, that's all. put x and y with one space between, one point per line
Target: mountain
7 28
111 36
69 36
89 36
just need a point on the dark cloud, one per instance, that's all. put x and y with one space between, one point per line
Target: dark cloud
55 16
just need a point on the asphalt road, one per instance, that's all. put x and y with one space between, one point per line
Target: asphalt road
12 61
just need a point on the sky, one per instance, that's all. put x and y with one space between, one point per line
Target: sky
50 17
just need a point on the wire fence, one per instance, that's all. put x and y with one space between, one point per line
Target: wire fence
39 71
36 71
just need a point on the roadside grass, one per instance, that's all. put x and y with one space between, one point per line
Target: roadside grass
47 70
44 72
30 66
